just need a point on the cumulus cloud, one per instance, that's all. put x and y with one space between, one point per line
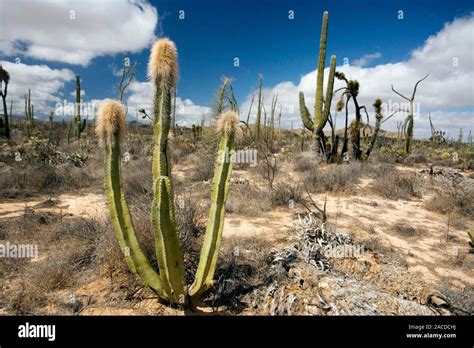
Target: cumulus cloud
187 113
46 86
446 56
75 32
366 59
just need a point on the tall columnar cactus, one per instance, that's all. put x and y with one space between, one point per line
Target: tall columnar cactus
321 107
80 126
168 283
29 113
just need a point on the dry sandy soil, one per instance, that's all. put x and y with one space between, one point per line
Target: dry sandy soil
422 247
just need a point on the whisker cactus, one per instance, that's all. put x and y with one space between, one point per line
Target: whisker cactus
169 282
321 107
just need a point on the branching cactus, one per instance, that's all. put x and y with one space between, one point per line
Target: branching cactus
321 107
168 283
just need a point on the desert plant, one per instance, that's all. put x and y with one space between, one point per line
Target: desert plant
351 91
4 79
379 119
408 128
259 106
169 283
11 114
29 113
321 112
80 126
127 75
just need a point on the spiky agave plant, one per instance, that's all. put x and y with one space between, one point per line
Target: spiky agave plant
168 283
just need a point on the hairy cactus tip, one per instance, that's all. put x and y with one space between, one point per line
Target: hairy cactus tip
111 122
163 64
229 123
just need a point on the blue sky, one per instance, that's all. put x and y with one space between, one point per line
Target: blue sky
266 41
213 33
260 34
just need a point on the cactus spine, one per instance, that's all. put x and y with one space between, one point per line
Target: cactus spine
80 126
321 107
169 283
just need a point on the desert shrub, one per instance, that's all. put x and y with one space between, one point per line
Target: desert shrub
202 166
284 194
27 179
247 200
416 158
268 166
190 219
180 149
452 197
387 154
137 178
240 269
389 183
306 162
445 155
335 178
404 229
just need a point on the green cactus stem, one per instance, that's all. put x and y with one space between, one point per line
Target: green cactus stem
220 189
321 106
169 283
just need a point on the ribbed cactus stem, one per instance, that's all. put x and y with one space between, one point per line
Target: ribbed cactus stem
305 116
169 284
163 72
318 105
110 128
329 93
168 250
321 106
228 124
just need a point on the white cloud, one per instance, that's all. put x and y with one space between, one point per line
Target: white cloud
366 59
446 56
44 29
45 84
141 96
